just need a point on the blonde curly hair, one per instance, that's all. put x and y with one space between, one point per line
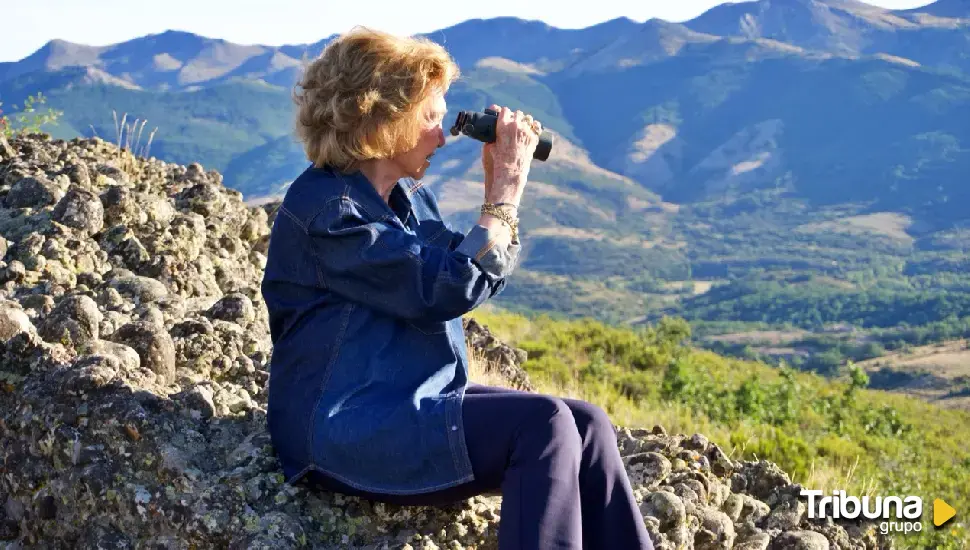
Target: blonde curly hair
363 96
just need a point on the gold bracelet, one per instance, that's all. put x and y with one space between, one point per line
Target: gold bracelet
489 208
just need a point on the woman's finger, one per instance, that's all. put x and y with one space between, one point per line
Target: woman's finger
506 117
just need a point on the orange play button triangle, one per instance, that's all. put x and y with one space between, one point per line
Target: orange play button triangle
942 512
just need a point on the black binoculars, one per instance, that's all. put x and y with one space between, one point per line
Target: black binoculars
481 126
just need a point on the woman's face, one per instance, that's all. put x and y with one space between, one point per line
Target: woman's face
414 162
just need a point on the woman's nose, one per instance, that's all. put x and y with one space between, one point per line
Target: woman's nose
441 136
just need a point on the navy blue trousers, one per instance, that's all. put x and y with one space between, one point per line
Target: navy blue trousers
557 465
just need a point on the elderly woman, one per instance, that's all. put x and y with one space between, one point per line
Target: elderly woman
366 285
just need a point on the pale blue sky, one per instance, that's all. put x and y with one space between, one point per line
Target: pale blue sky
29 25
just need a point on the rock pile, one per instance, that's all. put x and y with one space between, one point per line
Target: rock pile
134 350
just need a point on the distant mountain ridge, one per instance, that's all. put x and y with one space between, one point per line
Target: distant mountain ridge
937 35
169 60
945 8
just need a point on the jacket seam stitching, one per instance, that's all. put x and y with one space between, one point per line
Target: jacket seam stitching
293 217
311 437
412 255
346 197
440 232
320 278
485 249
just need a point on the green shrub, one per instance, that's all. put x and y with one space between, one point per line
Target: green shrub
28 120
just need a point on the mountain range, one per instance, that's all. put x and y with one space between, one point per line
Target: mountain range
821 137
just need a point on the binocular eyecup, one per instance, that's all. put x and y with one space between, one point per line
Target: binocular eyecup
481 126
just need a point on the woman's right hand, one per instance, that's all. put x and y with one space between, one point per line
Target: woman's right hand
516 138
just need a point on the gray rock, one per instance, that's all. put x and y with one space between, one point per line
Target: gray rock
500 358
115 173
836 534
120 206
121 243
160 211
91 372
14 509
757 541
143 290
151 315
648 468
716 530
104 537
717 492
753 509
762 478
732 507
74 321
127 357
236 308
153 345
697 442
32 192
80 209
721 465
27 248
79 174
668 508
89 279
787 514
800 540
199 399
16 271
13 321
687 493
42 303
110 298
276 530
189 327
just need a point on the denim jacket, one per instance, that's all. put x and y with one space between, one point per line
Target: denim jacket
369 364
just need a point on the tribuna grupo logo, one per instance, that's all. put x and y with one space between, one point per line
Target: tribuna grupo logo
899 514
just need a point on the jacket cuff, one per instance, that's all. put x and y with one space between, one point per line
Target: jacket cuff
483 247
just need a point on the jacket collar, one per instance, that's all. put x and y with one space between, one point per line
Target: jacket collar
399 208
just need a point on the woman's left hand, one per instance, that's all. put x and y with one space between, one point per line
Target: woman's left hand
488 164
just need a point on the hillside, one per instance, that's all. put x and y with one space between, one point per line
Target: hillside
939 373
135 358
946 8
935 35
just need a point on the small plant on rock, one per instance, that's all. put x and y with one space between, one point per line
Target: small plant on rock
28 119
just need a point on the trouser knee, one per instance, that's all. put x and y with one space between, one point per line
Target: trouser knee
595 427
553 430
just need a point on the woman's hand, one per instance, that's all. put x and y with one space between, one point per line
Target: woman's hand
488 161
507 161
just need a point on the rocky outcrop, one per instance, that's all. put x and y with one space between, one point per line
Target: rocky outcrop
498 357
134 352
